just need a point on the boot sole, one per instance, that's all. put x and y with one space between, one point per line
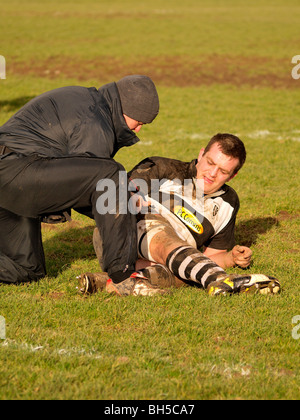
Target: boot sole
268 286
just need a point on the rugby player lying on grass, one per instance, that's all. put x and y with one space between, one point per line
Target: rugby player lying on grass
179 222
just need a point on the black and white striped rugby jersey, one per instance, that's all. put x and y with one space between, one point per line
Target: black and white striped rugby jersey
171 184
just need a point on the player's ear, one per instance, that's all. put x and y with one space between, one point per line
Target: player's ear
201 153
232 176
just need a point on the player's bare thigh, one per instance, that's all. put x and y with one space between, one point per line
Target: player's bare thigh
157 238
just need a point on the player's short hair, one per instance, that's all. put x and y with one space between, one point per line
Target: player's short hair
231 146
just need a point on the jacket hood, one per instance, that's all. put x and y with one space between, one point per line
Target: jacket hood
124 136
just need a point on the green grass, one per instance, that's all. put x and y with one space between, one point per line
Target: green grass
60 345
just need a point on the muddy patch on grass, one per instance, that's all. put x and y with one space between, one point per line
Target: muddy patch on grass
181 71
285 215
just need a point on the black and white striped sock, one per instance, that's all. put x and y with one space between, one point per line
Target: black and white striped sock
189 264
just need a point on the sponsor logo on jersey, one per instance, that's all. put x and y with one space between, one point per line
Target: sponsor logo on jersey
189 219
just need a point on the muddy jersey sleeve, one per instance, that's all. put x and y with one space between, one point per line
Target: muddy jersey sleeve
146 170
158 168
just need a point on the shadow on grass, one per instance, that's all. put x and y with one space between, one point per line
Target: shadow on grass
14 104
67 246
248 231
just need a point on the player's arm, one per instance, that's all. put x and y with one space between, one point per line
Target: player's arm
239 255
142 174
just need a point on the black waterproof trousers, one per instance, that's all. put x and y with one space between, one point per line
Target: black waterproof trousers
32 186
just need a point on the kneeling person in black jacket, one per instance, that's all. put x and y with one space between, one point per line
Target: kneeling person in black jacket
53 152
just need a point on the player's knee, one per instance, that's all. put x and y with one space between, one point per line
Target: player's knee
110 169
161 247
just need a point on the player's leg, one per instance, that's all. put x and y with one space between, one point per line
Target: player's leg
189 264
154 278
183 260
157 243
178 263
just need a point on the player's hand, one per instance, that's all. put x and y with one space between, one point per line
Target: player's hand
141 202
137 202
241 256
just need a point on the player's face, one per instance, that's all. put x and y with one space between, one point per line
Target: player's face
215 168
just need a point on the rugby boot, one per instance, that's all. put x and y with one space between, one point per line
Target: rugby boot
157 274
228 284
90 283
136 285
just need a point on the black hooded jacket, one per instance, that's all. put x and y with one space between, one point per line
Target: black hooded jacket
69 121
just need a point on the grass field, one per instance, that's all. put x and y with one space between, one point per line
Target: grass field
219 66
